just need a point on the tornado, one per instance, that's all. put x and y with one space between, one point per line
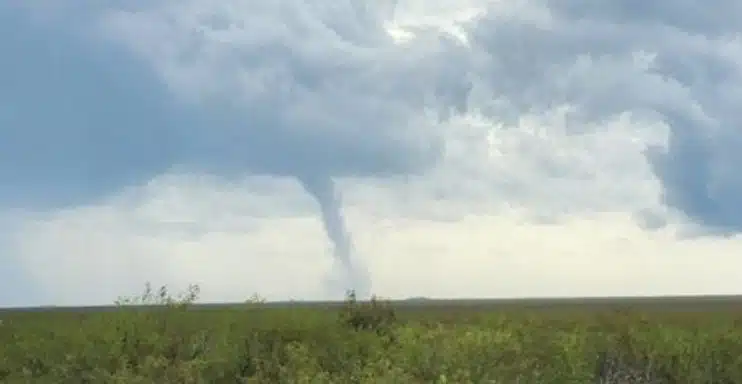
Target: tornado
310 101
351 275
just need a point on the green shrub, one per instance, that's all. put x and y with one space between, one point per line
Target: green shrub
375 315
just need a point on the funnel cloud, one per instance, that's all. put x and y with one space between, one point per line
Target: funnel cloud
324 191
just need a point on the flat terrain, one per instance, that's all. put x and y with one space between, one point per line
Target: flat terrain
662 303
650 340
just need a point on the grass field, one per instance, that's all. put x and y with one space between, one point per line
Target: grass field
157 338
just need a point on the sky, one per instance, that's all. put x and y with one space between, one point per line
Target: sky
299 148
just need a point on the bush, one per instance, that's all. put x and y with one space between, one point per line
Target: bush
375 315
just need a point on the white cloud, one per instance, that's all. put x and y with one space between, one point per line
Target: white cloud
179 231
100 253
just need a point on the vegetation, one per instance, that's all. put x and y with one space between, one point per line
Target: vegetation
157 338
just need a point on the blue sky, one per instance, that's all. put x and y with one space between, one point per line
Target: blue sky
449 148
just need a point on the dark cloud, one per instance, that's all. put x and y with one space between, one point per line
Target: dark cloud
83 116
289 89
77 120
688 16
678 61
305 88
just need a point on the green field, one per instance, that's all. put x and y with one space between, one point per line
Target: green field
159 339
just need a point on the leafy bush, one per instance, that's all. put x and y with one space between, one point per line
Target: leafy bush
375 315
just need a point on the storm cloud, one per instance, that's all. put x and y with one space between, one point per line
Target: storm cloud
288 89
99 98
274 89
678 63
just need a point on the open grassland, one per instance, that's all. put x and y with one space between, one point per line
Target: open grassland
681 340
